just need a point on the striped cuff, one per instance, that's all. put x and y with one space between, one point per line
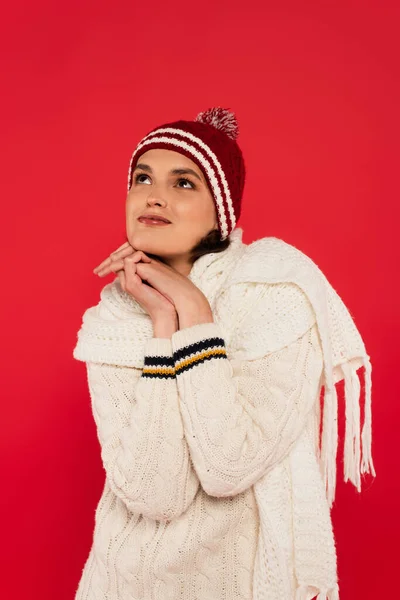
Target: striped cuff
158 359
194 345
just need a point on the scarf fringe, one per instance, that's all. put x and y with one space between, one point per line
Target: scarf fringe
305 592
357 456
352 450
329 442
367 465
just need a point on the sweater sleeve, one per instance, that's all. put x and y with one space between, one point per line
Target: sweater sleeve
139 425
241 417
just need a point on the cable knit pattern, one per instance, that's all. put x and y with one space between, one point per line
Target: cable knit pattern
215 482
140 430
237 413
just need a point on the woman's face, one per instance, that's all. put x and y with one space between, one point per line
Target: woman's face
163 184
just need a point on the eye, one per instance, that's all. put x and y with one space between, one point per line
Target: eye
140 175
179 180
188 181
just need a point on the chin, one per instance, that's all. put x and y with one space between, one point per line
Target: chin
150 242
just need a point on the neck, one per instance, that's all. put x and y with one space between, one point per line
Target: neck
180 264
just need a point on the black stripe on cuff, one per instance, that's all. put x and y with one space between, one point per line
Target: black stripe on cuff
197 353
162 367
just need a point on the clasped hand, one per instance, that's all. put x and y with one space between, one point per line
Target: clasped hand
157 287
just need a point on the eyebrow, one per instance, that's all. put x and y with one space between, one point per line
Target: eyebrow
187 171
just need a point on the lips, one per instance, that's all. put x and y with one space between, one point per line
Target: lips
154 218
148 222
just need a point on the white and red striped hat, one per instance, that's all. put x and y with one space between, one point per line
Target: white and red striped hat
210 141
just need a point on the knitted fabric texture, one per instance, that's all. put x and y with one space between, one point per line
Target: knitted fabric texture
243 401
209 141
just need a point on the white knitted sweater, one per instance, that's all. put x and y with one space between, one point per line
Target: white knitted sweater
217 484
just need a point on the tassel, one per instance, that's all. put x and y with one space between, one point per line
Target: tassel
357 457
330 441
303 592
352 459
352 389
318 428
367 465
332 594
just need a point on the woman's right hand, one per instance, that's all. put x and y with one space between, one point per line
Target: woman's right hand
123 263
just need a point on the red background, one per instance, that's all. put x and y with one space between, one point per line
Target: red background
315 87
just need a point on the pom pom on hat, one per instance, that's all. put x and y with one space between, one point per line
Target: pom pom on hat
222 119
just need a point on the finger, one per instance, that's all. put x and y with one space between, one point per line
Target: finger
113 267
121 277
138 256
126 251
122 246
133 283
132 278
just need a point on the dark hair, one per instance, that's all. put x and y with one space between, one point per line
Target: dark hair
210 243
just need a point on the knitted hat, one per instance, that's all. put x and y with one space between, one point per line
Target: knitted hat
210 141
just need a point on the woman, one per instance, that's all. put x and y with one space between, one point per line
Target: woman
205 359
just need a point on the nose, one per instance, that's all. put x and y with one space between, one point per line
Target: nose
155 200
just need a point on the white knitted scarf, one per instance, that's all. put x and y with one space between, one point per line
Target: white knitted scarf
116 330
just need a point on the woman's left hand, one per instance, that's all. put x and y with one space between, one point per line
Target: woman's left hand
187 298
173 285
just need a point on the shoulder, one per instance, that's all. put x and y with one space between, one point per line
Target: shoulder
265 317
272 259
266 297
